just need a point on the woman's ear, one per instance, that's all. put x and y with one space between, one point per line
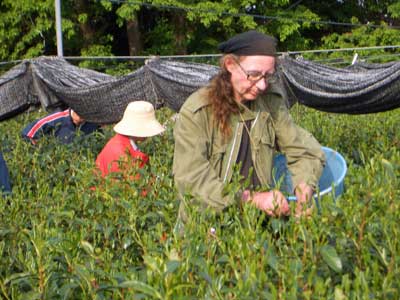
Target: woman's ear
230 64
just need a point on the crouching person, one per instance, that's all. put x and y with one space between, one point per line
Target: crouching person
63 125
122 151
240 119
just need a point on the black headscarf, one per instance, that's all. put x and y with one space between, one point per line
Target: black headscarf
249 43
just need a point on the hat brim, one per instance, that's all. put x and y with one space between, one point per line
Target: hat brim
139 129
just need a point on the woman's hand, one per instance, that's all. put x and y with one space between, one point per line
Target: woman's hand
273 203
304 194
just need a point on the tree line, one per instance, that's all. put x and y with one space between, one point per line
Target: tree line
179 27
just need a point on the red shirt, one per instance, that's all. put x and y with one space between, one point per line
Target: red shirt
117 148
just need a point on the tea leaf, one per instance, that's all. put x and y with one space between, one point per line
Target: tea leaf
88 247
389 168
141 287
172 266
331 257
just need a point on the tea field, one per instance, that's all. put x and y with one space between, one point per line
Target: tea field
60 238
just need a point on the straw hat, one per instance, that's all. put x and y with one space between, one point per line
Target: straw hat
139 120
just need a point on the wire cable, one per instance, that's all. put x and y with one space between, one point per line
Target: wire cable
342 49
141 58
256 16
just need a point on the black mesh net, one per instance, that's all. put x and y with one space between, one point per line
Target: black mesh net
100 98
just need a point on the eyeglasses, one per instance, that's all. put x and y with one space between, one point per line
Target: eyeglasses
255 76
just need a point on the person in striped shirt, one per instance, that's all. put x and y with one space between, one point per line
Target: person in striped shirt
63 125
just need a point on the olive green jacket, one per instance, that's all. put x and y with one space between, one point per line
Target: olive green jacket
204 161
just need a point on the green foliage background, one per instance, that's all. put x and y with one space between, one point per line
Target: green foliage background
60 239
160 27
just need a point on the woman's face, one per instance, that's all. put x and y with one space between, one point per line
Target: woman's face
139 139
248 75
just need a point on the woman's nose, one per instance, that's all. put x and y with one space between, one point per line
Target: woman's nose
261 84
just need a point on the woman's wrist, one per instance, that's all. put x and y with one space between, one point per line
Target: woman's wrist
246 196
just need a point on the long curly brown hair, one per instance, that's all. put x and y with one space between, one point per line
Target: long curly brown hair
221 97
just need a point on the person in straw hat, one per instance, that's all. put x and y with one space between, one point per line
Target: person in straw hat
138 123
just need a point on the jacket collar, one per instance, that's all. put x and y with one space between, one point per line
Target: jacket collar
133 144
201 102
126 139
251 109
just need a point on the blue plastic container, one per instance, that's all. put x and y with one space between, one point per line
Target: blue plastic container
331 181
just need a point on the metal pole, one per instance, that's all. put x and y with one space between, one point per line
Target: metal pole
354 59
58 28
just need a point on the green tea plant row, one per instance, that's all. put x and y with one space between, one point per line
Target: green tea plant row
62 239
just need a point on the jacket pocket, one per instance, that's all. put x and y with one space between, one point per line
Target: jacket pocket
268 136
217 158
264 159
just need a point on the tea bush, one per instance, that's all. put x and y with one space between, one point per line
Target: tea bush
60 238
